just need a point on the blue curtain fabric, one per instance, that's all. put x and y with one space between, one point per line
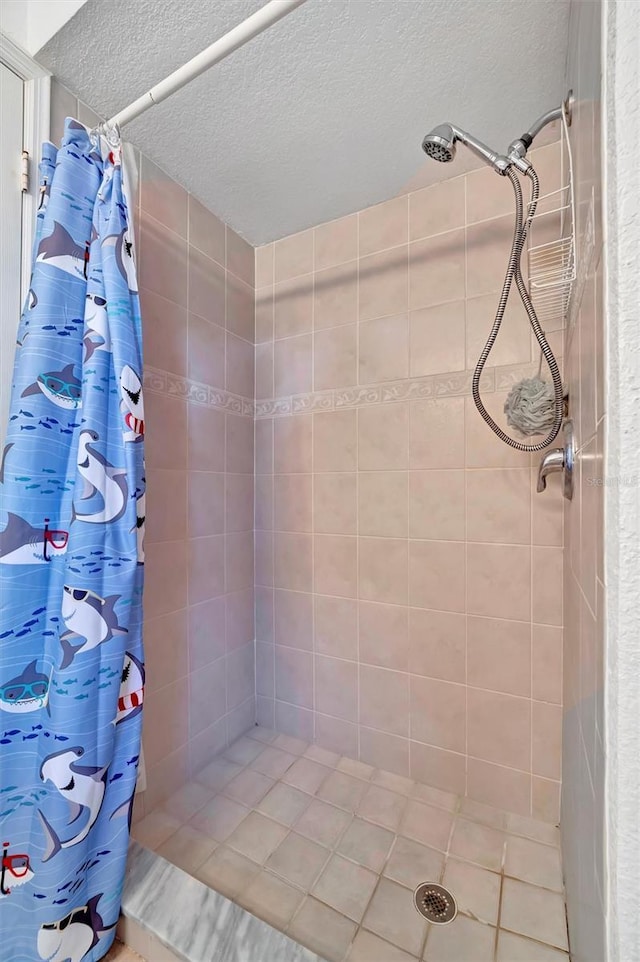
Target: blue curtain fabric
71 568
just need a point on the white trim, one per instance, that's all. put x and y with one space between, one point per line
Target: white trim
37 106
621 132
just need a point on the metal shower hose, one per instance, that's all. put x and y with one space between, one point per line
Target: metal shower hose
513 270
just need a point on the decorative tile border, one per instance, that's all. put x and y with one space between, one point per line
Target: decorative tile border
161 382
456 384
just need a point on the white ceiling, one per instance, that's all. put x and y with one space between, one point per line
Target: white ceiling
324 113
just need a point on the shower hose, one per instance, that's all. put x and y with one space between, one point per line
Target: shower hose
514 271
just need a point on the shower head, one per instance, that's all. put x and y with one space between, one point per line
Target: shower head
440 143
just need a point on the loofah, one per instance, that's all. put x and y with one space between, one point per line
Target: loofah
530 406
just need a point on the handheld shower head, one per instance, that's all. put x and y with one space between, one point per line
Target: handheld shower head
440 143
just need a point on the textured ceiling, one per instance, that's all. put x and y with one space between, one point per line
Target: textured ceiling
324 113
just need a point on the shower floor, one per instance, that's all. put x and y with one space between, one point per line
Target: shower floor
330 850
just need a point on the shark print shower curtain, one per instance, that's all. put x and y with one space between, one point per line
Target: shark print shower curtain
71 563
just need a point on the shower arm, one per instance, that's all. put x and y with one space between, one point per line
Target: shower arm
517 149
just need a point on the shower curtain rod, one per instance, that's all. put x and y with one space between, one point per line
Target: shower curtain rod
255 24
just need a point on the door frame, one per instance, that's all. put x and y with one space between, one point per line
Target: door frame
37 105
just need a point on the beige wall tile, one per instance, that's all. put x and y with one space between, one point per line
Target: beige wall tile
438 713
383 349
292 444
437 575
436 433
335 357
385 225
335 441
335 503
383 503
292 365
383 283
335 565
499 506
293 306
382 570
433 210
335 626
336 242
499 581
436 270
293 612
383 635
499 728
292 502
383 437
294 255
336 687
206 231
384 700
335 296
437 644
437 339
437 505
499 655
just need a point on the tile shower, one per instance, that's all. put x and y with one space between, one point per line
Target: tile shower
314 457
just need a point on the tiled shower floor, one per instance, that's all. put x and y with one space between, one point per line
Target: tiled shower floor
330 850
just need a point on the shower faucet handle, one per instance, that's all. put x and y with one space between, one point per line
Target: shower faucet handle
559 459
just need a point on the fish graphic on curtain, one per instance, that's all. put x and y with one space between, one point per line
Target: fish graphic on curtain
71 567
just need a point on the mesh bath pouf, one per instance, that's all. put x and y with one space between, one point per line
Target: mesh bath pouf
530 406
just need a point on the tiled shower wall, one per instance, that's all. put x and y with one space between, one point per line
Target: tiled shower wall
408 577
583 790
196 288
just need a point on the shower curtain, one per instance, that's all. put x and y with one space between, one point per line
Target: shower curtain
71 563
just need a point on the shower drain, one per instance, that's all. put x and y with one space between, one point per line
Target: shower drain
435 903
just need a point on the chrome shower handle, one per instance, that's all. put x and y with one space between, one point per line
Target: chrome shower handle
559 459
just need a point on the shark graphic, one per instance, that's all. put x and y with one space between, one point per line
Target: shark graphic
71 938
28 691
22 544
131 694
7 448
140 525
89 617
96 336
82 785
123 244
100 478
60 250
61 387
132 404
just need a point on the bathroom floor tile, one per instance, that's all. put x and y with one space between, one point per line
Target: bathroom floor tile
323 930
330 851
534 863
464 940
366 844
257 837
478 843
515 948
392 916
188 848
432 826
346 887
298 860
284 804
367 947
383 807
271 899
323 823
188 800
411 863
534 912
219 817
248 787
227 871
273 762
216 775
306 775
477 891
155 828
342 790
